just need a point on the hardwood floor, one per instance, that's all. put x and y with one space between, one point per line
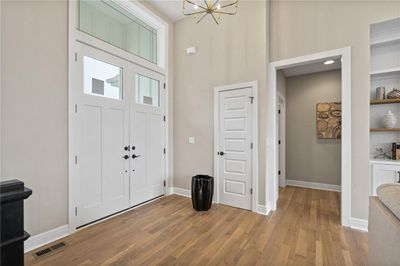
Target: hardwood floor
305 230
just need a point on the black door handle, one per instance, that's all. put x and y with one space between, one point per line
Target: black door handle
126 148
135 156
398 172
126 157
221 153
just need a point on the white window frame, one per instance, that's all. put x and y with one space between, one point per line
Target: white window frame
75 39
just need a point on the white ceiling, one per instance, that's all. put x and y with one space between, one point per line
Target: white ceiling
311 68
170 8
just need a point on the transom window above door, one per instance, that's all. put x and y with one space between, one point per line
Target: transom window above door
109 22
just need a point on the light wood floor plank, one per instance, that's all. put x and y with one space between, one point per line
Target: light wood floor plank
304 230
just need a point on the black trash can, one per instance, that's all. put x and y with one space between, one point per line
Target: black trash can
202 192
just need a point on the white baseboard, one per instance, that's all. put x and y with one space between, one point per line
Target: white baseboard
46 237
359 224
182 192
261 209
314 185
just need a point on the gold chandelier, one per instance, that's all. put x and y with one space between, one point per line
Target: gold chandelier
199 9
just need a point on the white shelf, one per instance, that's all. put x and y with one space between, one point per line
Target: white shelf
380 73
384 161
386 41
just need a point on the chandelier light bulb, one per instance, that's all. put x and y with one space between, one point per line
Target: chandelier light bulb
195 6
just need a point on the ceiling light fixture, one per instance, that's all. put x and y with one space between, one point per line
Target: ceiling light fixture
199 9
329 62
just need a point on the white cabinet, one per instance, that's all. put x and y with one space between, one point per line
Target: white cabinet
383 173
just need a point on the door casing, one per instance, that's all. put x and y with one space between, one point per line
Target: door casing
254 178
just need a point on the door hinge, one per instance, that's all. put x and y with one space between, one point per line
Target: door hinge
279 172
279 142
279 111
164 86
251 99
251 145
76 159
164 118
251 191
164 150
165 183
76 57
76 211
76 108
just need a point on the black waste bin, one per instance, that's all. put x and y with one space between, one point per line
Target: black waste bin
202 192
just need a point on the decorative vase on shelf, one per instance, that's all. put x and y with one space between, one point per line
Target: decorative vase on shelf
394 94
389 120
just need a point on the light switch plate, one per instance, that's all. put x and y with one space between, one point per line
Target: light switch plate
191 140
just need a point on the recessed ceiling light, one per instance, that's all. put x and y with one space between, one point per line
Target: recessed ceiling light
329 62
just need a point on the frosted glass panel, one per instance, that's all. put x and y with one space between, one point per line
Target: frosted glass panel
147 91
102 79
107 21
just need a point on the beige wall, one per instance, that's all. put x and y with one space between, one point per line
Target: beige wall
34 107
34 111
304 27
307 157
232 52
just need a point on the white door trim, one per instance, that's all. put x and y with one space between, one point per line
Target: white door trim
271 147
254 178
282 154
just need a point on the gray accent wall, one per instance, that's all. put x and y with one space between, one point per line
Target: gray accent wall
308 158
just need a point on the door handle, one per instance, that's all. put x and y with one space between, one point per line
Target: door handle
126 157
135 156
221 153
398 172
126 148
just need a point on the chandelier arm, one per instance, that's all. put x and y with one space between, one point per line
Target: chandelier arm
225 13
201 18
194 13
231 4
216 2
216 21
205 2
192 3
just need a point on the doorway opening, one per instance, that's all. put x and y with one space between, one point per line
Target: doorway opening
236 145
324 126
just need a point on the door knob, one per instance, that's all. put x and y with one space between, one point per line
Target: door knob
221 153
135 156
126 148
126 157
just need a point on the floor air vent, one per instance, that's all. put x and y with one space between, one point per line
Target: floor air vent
48 250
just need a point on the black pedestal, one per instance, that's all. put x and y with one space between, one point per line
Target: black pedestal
202 192
12 195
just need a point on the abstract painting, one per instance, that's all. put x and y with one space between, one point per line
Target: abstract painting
329 120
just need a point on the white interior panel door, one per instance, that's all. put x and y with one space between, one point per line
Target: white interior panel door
102 112
147 137
235 159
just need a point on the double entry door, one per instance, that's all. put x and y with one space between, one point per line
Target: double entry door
119 132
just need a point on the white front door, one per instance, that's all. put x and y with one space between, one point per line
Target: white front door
235 144
118 135
148 137
102 114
